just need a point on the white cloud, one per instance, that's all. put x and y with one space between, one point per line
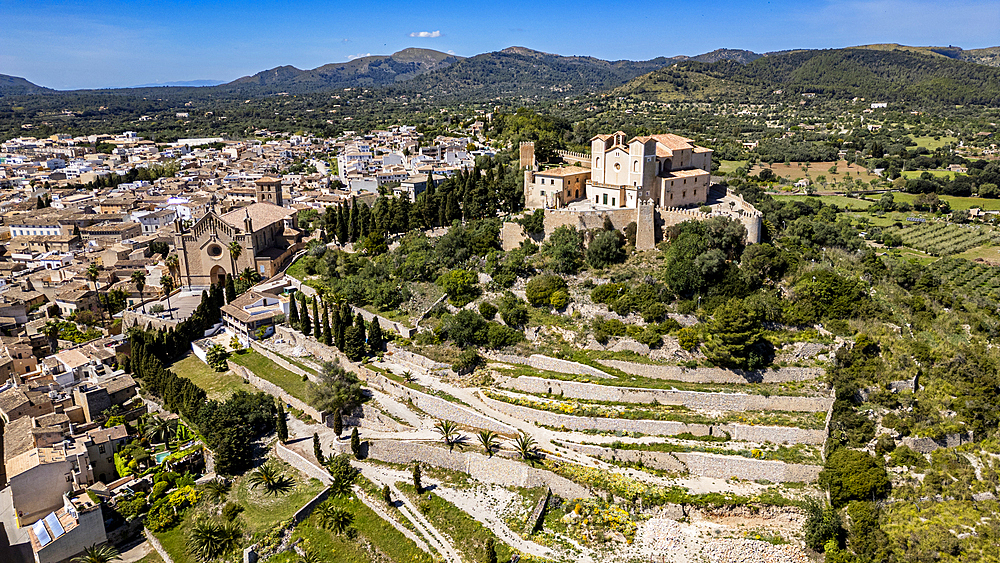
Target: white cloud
426 34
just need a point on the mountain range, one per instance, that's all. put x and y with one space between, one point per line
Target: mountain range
896 71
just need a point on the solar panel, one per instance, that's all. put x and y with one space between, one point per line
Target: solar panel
53 521
41 533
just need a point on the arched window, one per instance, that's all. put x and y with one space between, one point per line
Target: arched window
635 166
597 162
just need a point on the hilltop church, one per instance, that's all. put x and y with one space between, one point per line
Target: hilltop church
667 170
267 233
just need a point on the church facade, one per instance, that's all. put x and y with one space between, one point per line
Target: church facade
267 235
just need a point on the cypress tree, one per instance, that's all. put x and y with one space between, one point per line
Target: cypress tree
317 448
338 423
230 289
355 443
359 323
342 234
416 478
352 222
402 215
327 334
365 221
282 424
293 311
386 494
375 338
306 323
316 320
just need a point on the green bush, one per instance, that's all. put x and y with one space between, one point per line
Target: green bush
654 312
688 338
559 299
487 310
499 336
605 293
513 311
540 288
904 456
852 475
231 511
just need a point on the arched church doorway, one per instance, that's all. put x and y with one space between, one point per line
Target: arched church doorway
218 274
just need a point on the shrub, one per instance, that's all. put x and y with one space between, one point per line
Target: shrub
159 490
540 289
513 311
499 336
487 310
231 511
460 285
853 475
607 248
650 338
654 312
559 299
688 338
157 309
606 293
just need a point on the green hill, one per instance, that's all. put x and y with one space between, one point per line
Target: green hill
885 75
17 86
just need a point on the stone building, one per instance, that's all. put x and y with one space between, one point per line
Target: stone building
267 233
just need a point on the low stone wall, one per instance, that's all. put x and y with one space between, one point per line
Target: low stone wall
275 391
371 418
305 466
320 351
434 406
262 350
713 375
692 399
741 432
709 465
416 359
304 512
492 470
386 324
928 445
539 361
157 546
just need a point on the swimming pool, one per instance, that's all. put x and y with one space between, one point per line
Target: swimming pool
162 456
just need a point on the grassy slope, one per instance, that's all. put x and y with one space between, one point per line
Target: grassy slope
266 369
217 385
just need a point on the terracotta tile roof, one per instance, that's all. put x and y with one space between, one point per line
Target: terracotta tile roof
564 171
261 214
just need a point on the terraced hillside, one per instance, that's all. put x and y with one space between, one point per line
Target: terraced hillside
946 239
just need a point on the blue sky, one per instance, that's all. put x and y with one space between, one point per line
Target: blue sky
106 43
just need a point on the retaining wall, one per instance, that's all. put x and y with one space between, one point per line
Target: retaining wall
713 375
416 359
157 546
275 391
372 418
262 350
386 324
709 465
539 361
741 432
296 460
434 406
692 399
928 445
304 512
495 470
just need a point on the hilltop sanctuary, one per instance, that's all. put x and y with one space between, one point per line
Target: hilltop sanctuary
654 181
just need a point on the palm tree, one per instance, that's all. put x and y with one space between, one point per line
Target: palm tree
139 280
210 539
449 432
312 557
235 250
103 554
488 439
173 265
217 489
94 272
333 518
525 445
160 430
51 331
272 479
167 283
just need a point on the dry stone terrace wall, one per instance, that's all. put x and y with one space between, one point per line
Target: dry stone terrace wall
493 470
434 406
275 391
713 375
742 432
539 361
396 352
709 465
691 399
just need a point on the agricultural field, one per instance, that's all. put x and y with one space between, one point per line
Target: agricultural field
794 170
989 254
946 239
967 277
932 143
727 166
218 386
908 174
956 203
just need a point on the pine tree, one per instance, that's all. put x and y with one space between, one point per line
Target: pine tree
416 478
316 319
293 311
282 424
338 423
317 448
306 323
230 289
327 334
355 443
